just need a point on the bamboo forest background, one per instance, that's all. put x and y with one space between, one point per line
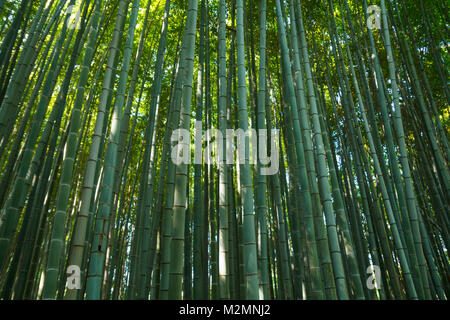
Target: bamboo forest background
93 207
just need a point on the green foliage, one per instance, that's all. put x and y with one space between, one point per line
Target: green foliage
87 178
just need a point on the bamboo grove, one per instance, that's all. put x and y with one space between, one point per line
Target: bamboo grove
94 207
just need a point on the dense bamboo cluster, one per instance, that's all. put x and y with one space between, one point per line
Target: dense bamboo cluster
94 206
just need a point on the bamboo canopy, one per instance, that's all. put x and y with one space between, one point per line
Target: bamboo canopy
248 149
